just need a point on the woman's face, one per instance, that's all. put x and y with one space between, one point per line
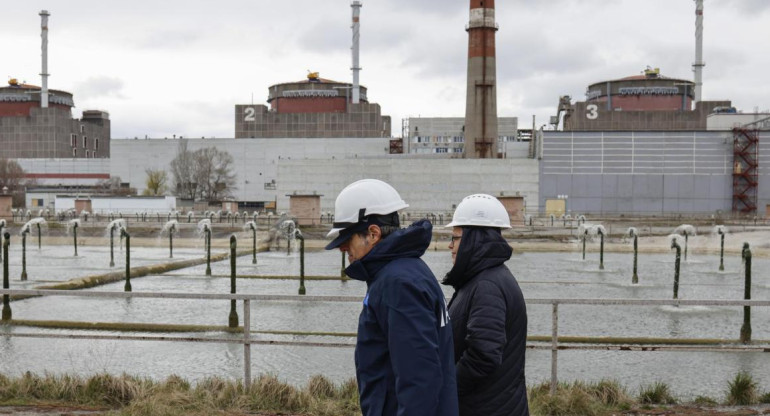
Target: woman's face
454 243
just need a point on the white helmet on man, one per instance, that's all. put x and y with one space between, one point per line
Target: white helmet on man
361 199
480 210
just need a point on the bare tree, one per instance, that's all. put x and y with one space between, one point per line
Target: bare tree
183 171
206 173
11 174
12 177
156 182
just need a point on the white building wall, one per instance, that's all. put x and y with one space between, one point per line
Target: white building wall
426 184
66 172
125 205
429 184
254 159
728 121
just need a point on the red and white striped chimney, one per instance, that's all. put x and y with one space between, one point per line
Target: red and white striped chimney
481 100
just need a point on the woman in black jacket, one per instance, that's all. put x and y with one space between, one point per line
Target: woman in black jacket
487 311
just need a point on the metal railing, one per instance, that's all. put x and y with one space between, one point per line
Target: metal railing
554 345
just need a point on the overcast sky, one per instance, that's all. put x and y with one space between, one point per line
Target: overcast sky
179 67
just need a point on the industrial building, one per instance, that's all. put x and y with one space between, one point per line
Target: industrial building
312 108
30 130
425 135
268 170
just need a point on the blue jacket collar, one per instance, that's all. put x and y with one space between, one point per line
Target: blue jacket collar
408 242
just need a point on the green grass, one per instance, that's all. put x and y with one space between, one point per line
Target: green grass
656 393
130 395
742 390
174 396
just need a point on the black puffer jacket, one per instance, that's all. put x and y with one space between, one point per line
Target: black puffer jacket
489 323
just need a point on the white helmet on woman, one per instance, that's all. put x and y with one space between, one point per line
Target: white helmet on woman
480 210
358 201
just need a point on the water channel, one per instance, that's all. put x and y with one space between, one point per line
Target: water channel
541 275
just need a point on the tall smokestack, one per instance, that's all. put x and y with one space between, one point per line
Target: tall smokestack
697 67
356 6
44 35
481 99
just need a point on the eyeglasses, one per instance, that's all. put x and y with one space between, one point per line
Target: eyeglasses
455 238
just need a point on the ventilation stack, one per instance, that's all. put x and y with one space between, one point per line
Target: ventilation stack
697 67
44 75
356 6
481 99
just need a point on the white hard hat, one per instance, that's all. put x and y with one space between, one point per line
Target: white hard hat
359 200
480 210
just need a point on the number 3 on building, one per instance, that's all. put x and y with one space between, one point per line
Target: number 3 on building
592 111
249 114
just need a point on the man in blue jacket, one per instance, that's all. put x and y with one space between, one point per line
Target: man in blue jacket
404 353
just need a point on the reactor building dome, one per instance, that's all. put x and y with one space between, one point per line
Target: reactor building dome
649 101
312 108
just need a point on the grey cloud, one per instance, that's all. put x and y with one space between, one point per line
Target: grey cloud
100 86
169 39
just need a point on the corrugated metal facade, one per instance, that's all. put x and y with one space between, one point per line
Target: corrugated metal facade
644 173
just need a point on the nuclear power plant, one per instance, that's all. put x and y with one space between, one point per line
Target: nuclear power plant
639 144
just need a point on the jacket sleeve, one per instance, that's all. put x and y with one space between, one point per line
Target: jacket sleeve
413 342
485 337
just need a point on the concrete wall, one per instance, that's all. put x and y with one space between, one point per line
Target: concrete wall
357 120
48 133
124 205
592 116
646 173
269 169
426 184
255 160
66 172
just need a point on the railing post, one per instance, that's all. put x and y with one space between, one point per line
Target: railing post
301 263
112 246
127 287
7 314
208 251
246 345
601 250
746 328
722 251
635 278
254 244
24 254
554 347
233 318
675 245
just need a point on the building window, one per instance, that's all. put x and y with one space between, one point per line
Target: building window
82 128
73 140
74 152
441 150
88 154
85 142
96 144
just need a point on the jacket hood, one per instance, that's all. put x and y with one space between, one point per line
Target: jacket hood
407 242
480 248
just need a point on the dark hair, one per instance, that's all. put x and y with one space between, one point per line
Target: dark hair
385 230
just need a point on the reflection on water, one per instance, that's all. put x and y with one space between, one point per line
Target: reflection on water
541 275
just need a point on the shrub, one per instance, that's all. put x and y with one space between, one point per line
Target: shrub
656 393
742 390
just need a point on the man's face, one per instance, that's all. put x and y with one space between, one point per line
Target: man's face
454 243
358 246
